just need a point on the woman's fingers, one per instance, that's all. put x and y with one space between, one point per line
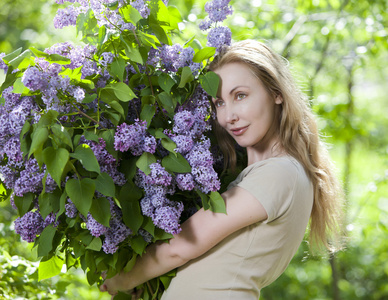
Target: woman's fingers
103 288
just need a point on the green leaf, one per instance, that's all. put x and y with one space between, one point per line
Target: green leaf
55 160
166 82
48 119
121 91
147 113
186 77
203 54
63 135
24 204
159 31
204 198
18 87
176 163
149 39
87 158
117 68
174 16
210 82
144 161
167 102
49 268
167 143
117 107
105 185
46 241
128 267
81 192
53 58
217 203
100 211
129 202
39 137
95 244
138 244
7 58
49 202
130 14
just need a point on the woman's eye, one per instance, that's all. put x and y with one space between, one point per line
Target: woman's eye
240 96
218 103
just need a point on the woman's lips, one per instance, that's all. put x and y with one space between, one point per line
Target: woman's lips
239 131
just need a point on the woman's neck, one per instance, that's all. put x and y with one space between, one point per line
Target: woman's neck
263 152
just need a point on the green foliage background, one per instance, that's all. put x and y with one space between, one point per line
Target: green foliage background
338 51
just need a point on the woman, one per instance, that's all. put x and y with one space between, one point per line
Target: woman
288 181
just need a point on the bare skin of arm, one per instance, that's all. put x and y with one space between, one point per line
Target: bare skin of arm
200 233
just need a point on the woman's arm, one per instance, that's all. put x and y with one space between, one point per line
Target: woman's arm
200 233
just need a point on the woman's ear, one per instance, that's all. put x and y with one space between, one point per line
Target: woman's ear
279 99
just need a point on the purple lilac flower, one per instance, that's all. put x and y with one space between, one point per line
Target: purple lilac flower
167 218
207 178
146 235
96 229
219 36
71 210
200 155
185 181
29 225
106 58
34 79
133 137
12 149
11 99
158 175
8 176
218 10
107 162
169 56
51 220
117 233
2 63
183 121
30 179
66 17
142 7
149 144
146 206
79 94
184 143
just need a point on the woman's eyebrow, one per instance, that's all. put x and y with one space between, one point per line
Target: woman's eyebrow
232 90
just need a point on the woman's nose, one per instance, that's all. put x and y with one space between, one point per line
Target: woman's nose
231 116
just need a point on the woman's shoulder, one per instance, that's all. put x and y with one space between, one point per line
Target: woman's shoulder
283 166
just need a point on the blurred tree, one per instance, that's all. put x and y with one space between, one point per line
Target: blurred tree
338 50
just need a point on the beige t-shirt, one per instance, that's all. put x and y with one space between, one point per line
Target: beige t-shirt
253 257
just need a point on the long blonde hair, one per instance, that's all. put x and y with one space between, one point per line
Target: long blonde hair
298 135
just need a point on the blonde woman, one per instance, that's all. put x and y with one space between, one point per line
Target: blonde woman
288 181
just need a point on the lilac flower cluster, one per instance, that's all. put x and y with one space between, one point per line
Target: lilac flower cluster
190 123
134 138
217 11
164 213
113 235
56 89
32 224
3 65
106 12
174 57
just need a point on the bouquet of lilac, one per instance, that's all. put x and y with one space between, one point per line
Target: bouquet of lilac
105 147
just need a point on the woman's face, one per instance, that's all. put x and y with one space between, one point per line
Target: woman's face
244 108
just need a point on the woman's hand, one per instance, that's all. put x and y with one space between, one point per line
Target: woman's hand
115 284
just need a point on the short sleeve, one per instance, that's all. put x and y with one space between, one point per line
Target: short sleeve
273 185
